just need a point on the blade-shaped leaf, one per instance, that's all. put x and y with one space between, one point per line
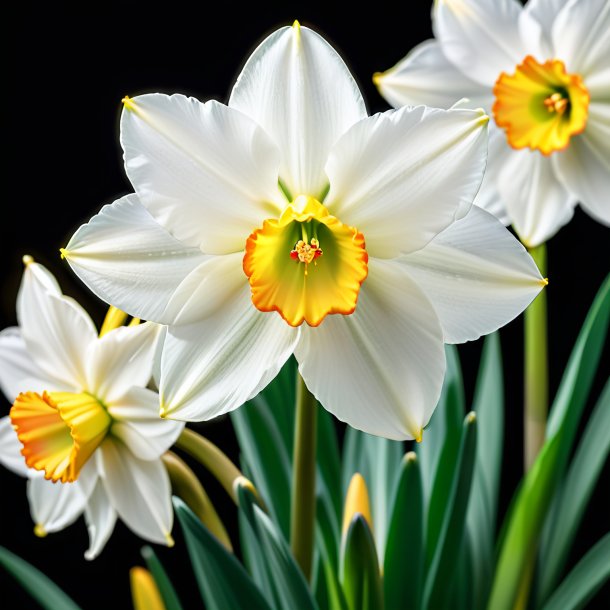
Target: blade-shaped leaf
288 581
446 421
581 584
166 589
488 404
404 560
570 504
442 573
360 568
516 559
378 461
222 580
39 586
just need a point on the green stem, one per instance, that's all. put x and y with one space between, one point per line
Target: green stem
536 390
187 486
211 458
303 502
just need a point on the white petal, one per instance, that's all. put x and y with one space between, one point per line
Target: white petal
480 37
206 173
216 365
54 506
129 260
537 203
100 517
425 76
297 87
122 358
536 22
488 196
18 373
402 176
57 331
585 169
139 490
10 449
477 276
380 369
138 425
580 36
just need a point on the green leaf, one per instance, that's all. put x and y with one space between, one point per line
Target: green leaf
327 546
269 461
360 568
450 547
166 589
581 584
516 560
570 503
222 580
445 422
488 404
404 560
287 580
439 449
39 586
378 461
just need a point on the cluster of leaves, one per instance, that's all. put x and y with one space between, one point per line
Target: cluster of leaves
433 542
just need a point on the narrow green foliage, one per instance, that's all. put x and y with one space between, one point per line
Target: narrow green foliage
222 580
442 572
570 504
290 587
581 584
378 461
360 569
440 462
516 560
404 553
488 404
39 586
166 589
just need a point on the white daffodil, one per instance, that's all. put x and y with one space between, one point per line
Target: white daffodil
290 222
83 418
544 72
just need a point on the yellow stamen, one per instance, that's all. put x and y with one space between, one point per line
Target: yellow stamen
114 318
59 431
281 283
541 106
356 503
144 592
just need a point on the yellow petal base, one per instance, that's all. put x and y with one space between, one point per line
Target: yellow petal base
306 264
541 106
59 431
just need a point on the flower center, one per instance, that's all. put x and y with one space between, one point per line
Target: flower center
59 431
541 106
289 273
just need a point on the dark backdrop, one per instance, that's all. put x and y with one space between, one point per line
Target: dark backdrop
68 70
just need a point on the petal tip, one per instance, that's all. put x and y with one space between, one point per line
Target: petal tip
27 260
471 418
128 103
63 253
40 531
411 457
544 281
169 541
419 437
377 78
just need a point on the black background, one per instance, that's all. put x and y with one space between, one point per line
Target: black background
68 70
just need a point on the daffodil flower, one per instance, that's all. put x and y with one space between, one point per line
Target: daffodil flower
290 222
543 71
83 428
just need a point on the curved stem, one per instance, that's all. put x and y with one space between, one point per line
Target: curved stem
303 501
536 374
212 459
187 486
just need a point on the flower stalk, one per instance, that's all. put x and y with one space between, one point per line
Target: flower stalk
536 374
303 500
187 486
